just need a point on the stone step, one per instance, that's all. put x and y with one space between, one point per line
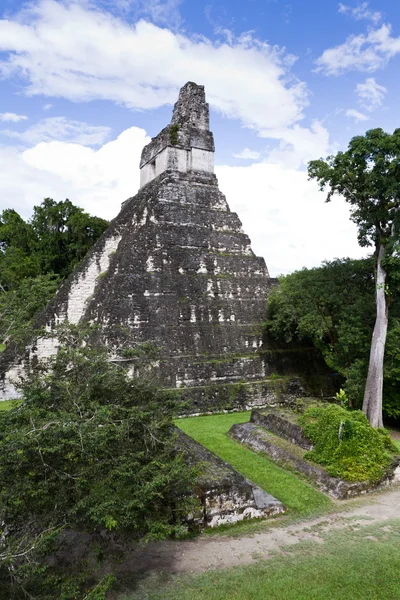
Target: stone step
242 395
172 212
291 456
226 496
184 337
282 427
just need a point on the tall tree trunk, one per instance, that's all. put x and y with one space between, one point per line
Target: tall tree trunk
372 405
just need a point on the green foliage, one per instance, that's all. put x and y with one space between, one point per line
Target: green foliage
341 397
173 134
19 305
34 258
146 350
391 371
333 307
367 175
90 450
346 444
56 238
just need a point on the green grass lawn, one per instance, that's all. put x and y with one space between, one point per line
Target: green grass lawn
9 404
352 564
299 497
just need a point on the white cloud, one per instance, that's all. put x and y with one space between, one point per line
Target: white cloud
283 213
370 93
95 55
364 52
286 217
98 180
298 145
60 128
361 12
47 106
12 117
355 114
247 154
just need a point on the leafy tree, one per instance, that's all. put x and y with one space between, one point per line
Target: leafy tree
56 238
64 233
35 256
329 305
17 256
91 450
20 304
367 175
333 307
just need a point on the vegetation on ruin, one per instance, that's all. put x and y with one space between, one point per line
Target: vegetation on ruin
296 494
356 563
332 307
367 175
173 134
88 462
346 444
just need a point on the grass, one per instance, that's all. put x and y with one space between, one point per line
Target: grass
359 563
9 404
300 498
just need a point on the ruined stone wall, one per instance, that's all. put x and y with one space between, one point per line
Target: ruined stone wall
176 269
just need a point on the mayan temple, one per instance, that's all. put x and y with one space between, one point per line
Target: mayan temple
175 269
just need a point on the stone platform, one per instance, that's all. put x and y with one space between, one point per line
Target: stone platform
225 495
284 442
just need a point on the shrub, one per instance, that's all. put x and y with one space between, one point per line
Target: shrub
90 450
346 444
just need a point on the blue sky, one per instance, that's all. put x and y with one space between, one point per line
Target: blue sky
84 84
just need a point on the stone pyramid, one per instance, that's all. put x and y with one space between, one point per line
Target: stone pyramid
175 268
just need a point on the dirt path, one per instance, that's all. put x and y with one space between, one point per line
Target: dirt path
220 552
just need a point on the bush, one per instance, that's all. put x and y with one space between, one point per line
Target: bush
346 444
90 451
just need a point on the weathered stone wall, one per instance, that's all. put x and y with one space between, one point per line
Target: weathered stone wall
282 427
301 359
225 495
186 144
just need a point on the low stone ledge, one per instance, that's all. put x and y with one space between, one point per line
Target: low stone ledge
226 496
283 427
240 395
259 440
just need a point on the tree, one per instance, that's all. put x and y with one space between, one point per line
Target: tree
332 306
20 304
64 233
56 238
329 305
367 175
18 258
91 450
34 258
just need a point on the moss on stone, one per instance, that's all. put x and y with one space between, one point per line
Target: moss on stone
173 134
